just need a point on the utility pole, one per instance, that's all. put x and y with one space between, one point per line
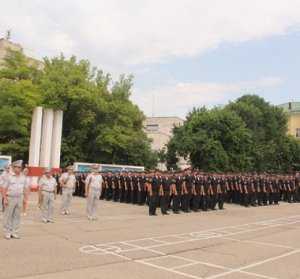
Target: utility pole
8 35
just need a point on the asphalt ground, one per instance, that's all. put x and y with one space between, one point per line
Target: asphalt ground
260 242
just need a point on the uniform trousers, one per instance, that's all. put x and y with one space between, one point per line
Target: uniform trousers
92 201
67 194
47 205
12 214
115 194
196 202
203 202
153 201
176 203
164 202
220 199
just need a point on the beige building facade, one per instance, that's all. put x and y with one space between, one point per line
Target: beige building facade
293 111
160 131
6 45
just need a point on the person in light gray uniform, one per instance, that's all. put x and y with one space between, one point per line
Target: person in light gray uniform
3 178
93 184
67 182
15 188
47 189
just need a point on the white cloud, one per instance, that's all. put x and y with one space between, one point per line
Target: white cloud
122 32
179 98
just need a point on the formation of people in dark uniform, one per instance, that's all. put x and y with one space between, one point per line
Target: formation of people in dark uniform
190 190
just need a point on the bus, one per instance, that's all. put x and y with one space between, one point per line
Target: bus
85 167
4 161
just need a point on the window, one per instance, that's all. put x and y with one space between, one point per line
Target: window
298 133
152 127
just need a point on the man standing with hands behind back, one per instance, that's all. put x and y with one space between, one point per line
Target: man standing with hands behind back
93 186
47 188
15 189
67 182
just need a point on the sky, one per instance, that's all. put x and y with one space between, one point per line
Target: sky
182 53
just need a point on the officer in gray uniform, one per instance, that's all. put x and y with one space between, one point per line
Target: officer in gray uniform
15 188
3 177
47 189
68 183
93 184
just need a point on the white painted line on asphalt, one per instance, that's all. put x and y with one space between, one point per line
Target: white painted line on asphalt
183 266
260 243
208 234
256 264
168 269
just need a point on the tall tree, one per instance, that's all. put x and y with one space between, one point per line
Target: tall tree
246 135
100 124
19 94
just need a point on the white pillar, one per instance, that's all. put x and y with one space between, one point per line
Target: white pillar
56 139
45 156
35 137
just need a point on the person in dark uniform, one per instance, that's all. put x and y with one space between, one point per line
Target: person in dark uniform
187 191
221 191
109 183
153 190
122 186
164 194
196 193
104 186
203 192
177 198
129 187
140 188
297 185
116 187
134 188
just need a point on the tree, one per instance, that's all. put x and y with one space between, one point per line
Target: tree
215 140
19 94
268 127
100 124
246 135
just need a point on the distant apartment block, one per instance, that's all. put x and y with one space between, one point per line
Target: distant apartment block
293 111
160 129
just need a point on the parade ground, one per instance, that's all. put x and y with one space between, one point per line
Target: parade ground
237 243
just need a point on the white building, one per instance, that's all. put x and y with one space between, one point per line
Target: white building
159 130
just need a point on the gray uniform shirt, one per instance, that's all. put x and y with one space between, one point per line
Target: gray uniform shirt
16 185
47 184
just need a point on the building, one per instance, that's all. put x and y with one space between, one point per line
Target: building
159 130
293 111
6 45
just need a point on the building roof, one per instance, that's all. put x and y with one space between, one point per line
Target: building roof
291 107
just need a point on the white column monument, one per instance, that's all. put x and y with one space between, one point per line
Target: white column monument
56 139
35 137
46 142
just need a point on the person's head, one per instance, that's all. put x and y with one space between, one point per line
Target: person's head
70 169
17 167
47 172
95 168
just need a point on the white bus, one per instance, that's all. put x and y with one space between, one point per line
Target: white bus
85 167
4 161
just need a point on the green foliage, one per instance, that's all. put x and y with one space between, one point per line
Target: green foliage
19 94
100 122
247 135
